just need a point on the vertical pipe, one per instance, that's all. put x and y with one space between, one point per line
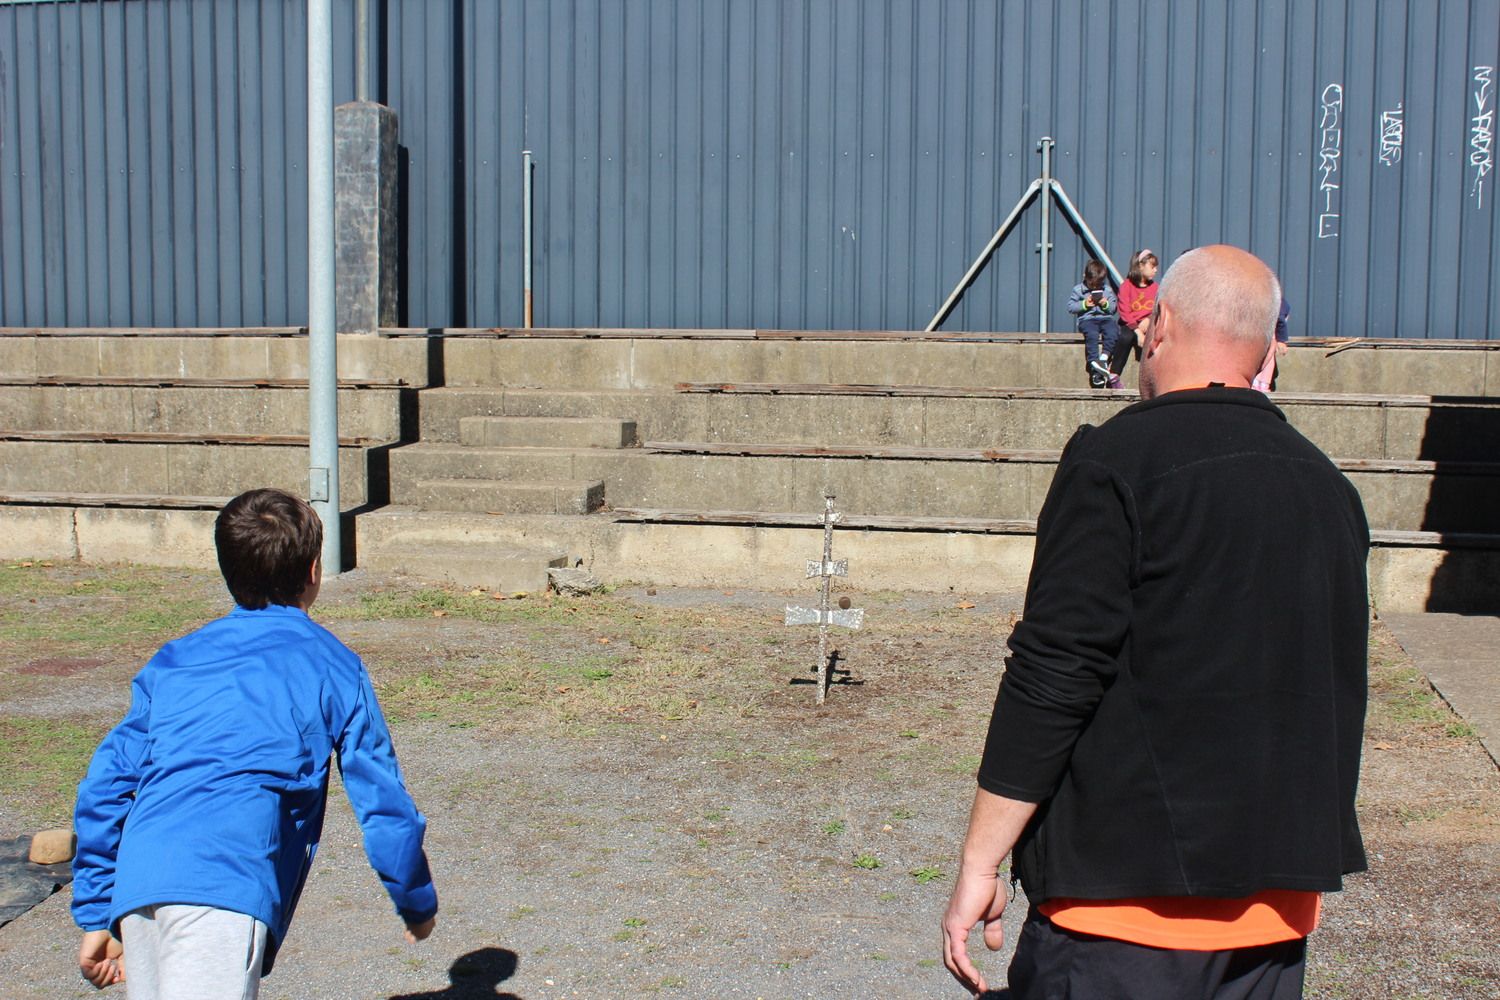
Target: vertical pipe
323 404
1046 246
526 231
361 50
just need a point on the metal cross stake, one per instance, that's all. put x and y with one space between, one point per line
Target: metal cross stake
824 616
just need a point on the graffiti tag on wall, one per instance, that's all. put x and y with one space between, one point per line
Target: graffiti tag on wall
1392 135
1482 131
1331 144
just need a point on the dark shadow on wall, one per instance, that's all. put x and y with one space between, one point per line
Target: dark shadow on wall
458 308
1462 437
475 976
403 235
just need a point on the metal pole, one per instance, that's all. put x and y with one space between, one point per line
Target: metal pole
361 50
1046 245
526 230
823 672
983 258
323 402
1088 234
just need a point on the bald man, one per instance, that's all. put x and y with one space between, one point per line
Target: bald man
1175 744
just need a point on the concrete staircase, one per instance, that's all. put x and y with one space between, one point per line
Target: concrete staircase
511 465
701 457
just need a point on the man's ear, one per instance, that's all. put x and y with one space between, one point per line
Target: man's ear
315 572
1159 330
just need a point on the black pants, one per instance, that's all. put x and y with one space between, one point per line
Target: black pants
1056 964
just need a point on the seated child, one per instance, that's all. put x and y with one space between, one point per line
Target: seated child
201 812
1137 300
1093 303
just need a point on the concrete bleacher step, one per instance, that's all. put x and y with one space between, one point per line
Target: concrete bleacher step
919 482
546 432
1365 425
273 353
150 406
656 360
179 466
494 567
546 496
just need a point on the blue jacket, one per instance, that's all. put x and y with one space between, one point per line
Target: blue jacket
211 791
1079 293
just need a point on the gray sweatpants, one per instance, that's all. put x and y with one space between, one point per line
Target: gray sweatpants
178 952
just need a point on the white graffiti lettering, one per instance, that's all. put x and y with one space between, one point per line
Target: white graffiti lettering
1330 152
1482 132
1392 135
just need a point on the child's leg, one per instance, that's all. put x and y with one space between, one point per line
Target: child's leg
1119 347
192 953
1094 329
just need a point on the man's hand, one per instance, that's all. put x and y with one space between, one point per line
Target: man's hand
977 897
995 823
420 932
1281 347
100 959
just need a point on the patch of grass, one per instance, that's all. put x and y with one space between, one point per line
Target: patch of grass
44 760
1402 700
866 861
900 814
834 827
926 874
634 921
964 764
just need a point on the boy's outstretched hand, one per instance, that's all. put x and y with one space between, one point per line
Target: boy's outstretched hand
419 932
100 959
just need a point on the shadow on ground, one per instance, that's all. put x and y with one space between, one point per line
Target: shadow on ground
474 976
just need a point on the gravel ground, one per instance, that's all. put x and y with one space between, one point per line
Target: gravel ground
630 796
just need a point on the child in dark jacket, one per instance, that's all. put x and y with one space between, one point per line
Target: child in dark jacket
201 811
1093 303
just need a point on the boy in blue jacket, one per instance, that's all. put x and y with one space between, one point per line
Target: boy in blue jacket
201 811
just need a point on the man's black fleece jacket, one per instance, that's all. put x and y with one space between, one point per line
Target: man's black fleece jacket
1185 693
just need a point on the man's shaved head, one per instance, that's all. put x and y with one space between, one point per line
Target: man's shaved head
1224 290
1215 321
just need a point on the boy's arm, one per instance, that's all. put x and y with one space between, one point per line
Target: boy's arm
392 826
1075 300
105 796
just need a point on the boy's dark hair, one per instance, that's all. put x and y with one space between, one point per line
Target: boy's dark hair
1093 276
267 542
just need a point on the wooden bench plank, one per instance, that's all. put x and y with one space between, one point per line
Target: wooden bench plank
111 500
165 437
1025 392
172 382
977 525
1034 456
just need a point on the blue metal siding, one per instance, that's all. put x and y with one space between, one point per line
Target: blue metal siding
755 163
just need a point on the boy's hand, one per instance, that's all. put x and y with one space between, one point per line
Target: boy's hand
100 959
419 932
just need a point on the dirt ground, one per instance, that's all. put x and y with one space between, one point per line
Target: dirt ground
633 794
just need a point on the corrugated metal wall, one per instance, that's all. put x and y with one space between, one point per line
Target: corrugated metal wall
757 163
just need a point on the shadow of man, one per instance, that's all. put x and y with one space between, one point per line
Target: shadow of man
475 976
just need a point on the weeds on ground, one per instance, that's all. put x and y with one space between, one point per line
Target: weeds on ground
1403 702
45 758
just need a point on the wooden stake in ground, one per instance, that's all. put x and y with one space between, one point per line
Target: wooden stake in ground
824 616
